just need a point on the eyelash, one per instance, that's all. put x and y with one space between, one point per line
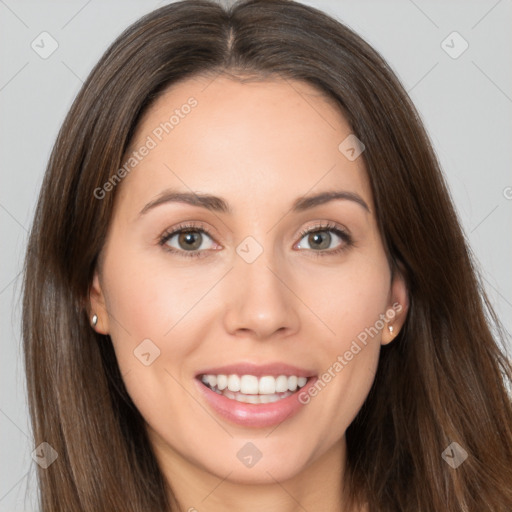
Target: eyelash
328 226
167 235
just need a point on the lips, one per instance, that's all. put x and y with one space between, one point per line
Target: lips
257 395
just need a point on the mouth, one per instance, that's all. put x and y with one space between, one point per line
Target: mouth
251 389
255 396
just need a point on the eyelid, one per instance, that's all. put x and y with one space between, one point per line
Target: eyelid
324 225
183 227
340 231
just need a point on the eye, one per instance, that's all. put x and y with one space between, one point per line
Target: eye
320 239
191 240
187 240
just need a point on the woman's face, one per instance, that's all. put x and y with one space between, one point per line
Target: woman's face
243 287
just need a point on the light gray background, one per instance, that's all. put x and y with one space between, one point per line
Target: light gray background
466 104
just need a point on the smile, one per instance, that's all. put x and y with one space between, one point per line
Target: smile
252 395
251 389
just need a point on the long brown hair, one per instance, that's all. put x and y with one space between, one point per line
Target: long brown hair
442 380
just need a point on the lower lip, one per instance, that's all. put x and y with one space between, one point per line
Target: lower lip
255 415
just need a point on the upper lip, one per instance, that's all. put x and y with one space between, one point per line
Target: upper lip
258 370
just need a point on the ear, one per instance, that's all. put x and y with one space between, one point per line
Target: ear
398 306
98 306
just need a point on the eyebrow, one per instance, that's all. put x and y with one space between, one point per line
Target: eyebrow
217 204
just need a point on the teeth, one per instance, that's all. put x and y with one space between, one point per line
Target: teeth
250 385
267 385
222 382
234 383
281 383
253 399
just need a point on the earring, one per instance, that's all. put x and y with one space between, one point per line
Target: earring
390 327
94 320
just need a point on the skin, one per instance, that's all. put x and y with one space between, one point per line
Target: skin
259 145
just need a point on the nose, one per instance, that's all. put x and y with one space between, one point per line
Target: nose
261 303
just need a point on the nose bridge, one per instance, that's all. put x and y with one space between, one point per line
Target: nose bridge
254 264
260 300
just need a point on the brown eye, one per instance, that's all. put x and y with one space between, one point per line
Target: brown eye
319 240
187 241
325 240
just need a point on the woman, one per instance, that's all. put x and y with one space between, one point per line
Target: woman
358 365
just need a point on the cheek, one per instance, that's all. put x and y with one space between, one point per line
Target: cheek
350 304
140 304
151 297
348 300
155 307
148 326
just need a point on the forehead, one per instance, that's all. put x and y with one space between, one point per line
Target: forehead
250 140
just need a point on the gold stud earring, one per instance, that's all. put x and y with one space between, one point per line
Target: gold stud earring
94 320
